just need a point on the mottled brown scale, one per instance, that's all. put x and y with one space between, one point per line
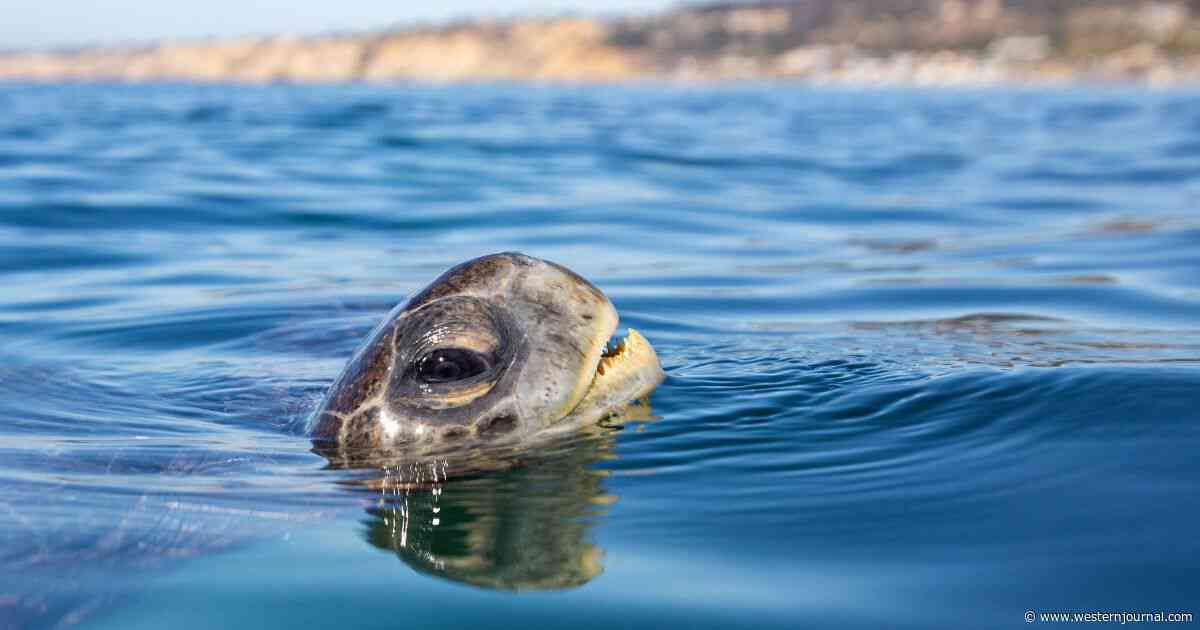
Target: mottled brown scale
362 430
362 380
496 425
463 277
583 289
454 433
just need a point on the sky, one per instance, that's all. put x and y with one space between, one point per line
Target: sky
57 23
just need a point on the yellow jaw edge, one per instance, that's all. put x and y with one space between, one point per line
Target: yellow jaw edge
625 373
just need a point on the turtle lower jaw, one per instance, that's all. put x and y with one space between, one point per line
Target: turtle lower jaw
627 370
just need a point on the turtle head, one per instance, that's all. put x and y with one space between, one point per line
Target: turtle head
503 345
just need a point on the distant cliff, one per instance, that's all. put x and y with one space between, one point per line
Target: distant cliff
860 41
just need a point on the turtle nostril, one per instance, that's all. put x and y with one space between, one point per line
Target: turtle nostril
497 425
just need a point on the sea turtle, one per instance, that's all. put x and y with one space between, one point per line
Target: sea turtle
498 352
500 366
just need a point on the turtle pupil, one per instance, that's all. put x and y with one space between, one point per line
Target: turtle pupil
445 370
449 364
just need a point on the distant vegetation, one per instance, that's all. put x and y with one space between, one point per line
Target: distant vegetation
869 41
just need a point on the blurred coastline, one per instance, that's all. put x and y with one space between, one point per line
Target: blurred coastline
907 42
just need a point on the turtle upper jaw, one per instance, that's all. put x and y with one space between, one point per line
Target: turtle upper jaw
628 370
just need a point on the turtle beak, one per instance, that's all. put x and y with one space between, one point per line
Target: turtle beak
627 370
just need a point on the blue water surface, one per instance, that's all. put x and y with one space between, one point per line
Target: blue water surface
933 357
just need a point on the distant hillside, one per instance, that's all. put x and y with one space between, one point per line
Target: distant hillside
868 41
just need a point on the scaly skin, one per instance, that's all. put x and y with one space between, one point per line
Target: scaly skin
523 344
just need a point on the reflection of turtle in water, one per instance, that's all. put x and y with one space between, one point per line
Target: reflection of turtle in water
521 529
500 362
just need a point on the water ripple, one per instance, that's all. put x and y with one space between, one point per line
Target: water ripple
911 339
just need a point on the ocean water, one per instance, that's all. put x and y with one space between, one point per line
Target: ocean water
933 357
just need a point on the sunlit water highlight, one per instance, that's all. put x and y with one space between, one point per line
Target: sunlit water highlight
932 357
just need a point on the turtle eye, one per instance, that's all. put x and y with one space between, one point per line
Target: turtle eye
446 365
